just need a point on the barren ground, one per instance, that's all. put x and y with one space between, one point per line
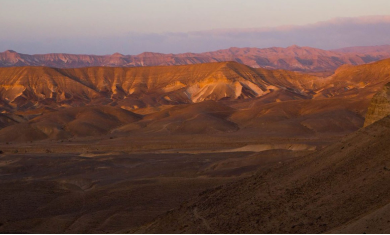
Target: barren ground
57 187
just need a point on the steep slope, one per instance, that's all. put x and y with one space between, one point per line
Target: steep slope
379 106
321 192
27 87
290 58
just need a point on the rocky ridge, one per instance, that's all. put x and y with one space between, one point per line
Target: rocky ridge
290 58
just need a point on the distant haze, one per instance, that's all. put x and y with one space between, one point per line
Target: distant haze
177 26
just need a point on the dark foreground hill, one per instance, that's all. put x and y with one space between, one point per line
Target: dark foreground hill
342 188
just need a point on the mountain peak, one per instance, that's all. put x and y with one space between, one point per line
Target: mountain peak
10 52
149 54
294 47
117 54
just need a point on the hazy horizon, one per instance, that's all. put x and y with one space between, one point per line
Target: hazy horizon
21 52
174 26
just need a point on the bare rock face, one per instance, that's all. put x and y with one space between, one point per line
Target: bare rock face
379 107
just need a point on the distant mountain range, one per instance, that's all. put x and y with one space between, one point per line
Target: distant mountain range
291 58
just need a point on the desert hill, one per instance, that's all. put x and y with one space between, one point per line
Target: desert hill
26 87
132 88
342 188
290 58
170 100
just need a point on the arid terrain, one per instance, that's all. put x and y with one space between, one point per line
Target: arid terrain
111 191
201 148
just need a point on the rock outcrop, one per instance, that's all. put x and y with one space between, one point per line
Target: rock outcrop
379 107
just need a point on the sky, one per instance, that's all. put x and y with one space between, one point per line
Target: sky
178 26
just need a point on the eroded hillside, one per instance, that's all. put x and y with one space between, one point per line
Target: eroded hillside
169 101
27 87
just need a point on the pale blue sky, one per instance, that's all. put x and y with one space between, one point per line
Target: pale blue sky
25 23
